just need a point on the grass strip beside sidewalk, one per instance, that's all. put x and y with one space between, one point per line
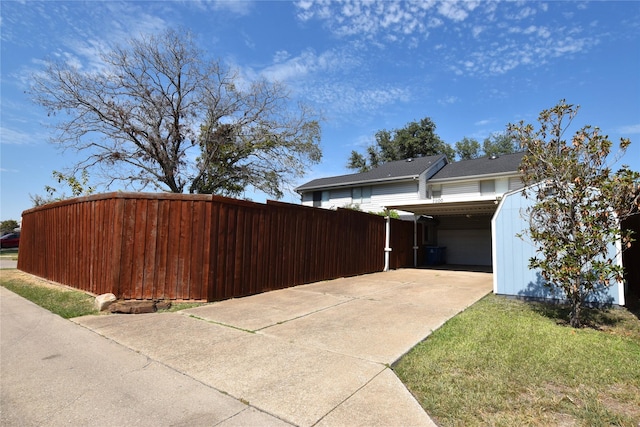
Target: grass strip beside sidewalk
65 302
61 300
10 254
506 362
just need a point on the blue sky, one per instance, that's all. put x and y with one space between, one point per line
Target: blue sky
472 66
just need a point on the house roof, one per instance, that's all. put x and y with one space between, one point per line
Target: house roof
505 163
401 169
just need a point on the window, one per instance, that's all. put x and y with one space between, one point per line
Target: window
317 199
366 194
356 195
488 187
361 195
457 189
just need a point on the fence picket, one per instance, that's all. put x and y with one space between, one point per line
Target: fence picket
200 247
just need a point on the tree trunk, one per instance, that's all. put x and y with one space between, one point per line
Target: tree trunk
576 307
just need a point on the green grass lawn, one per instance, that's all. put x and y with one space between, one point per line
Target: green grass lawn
11 254
62 301
504 362
501 362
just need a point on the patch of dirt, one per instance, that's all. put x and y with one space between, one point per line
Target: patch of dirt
545 405
548 402
620 400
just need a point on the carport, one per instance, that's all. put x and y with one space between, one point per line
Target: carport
463 228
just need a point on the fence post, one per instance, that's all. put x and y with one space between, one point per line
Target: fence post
387 249
415 240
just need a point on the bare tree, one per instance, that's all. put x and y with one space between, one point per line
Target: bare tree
138 118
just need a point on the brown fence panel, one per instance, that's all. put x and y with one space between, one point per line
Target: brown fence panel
630 258
401 241
185 247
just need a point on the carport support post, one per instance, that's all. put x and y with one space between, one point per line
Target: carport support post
415 240
387 249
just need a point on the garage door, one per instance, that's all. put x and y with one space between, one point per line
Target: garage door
467 239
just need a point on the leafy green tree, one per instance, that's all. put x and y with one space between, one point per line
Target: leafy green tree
416 139
578 203
468 148
8 226
240 154
79 187
499 143
496 144
159 103
388 213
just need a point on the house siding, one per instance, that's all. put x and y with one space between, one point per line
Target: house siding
340 197
502 185
515 183
381 195
461 189
511 254
388 194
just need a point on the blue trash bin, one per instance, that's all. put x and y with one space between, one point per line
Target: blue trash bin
435 255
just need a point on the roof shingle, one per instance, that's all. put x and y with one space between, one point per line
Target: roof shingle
483 166
412 168
388 171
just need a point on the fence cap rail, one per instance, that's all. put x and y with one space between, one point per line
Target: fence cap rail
115 195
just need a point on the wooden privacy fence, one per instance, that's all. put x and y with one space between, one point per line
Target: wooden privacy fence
201 247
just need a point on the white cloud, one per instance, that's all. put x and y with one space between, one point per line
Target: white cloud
544 32
448 100
318 78
287 68
15 137
629 129
457 10
239 7
393 19
434 22
343 99
525 12
529 46
362 141
477 30
248 40
498 36
281 56
81 45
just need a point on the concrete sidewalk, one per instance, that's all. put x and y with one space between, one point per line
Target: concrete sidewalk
315 354
8 263
55 373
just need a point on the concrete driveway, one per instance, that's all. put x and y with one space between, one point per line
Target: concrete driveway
316 354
